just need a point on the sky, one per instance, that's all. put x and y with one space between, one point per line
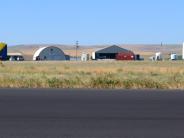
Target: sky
91 22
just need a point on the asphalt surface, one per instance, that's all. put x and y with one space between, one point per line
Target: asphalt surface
48 113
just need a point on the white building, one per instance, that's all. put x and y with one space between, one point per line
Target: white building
158 56
15 57
49 53
93 56
174 56
84 57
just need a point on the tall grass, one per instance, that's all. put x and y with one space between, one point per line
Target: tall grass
114 75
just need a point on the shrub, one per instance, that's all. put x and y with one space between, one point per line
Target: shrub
106 81
143 83
55 83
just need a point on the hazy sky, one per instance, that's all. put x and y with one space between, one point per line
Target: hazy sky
91 21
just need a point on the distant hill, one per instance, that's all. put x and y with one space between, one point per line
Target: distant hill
142 49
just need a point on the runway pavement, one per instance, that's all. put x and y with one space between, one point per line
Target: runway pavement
77 113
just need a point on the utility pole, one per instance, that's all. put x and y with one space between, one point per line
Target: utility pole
77 46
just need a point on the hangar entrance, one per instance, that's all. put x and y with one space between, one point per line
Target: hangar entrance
107 55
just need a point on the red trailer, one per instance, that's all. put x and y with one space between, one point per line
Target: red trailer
126 56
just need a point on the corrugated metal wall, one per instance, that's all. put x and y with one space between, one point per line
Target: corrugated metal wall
125 56
3 51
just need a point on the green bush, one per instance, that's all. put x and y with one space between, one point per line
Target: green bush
143 83
106 81
55 83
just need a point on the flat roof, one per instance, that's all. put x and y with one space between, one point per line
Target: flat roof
14 54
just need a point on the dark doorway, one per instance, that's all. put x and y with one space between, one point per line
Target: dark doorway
107 55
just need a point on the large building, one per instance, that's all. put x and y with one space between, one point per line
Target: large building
113 52
49 53
3 51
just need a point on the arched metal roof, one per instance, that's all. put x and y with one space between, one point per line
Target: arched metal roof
37 53
40 50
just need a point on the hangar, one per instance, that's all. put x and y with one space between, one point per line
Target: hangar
109 52
49 53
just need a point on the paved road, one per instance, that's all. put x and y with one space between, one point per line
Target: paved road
34 113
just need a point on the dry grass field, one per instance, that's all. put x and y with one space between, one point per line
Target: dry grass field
101 74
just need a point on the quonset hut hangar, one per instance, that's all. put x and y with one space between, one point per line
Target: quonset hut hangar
49 53
114 52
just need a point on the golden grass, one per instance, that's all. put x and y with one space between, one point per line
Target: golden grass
102 74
